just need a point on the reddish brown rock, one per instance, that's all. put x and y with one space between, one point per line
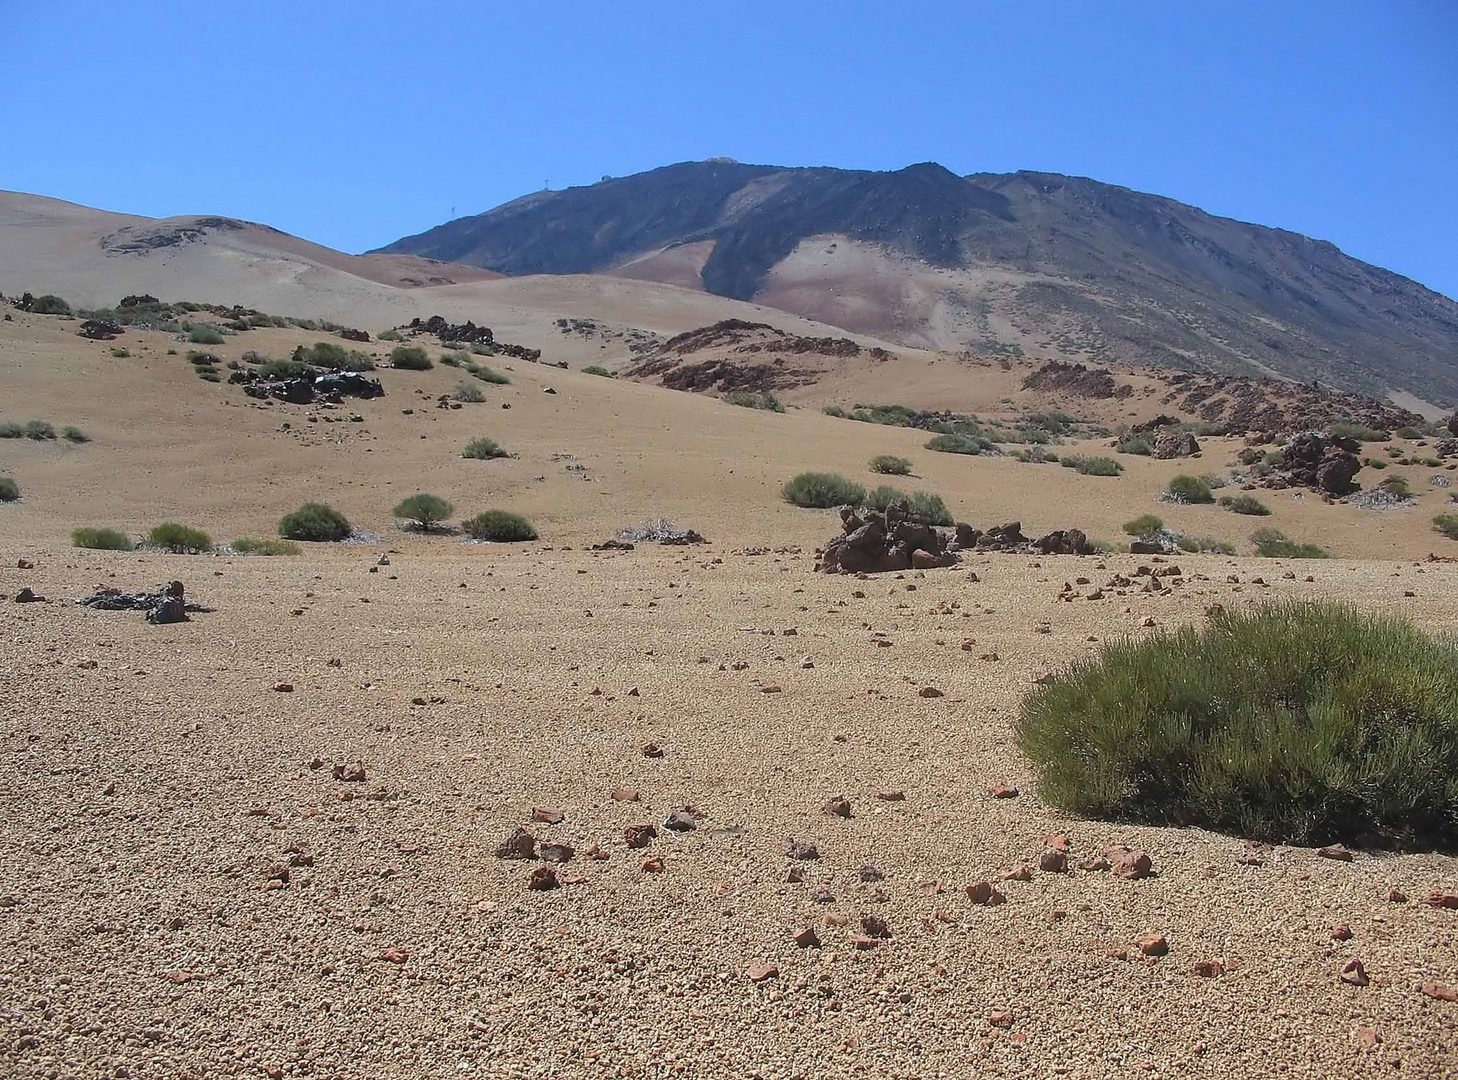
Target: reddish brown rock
394 956
806 938
638 836
1354 974
556 853
1153 945
1000 1018
1443 900
1133 865
1095 863
1018 873
352 772
1341 932
982 893
1053 861
1334 851
930 692
625 794
519 845
1396 896
548 815
1209 969
1369 1036
653 865
761 972
1003 791
1439 992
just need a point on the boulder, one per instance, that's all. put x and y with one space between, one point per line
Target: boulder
1176 444
1453 424
1064 542
875 543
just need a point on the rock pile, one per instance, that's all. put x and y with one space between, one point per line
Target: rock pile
873 542
166 605
1319 462
1176 444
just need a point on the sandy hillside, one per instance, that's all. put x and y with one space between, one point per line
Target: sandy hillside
186 889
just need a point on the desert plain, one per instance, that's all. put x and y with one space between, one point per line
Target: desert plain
264 842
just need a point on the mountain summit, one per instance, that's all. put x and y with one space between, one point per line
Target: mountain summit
1016 264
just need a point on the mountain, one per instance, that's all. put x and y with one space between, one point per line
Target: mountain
1018 264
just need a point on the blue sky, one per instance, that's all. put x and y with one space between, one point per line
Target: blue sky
353 124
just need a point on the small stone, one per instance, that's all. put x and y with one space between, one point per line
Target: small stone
519 845
839 806
1369 1037
680 821
929 692
891 796
1002 791
795 875
625 794
1341 932
395 956
871 874
1053 861
1396 896
1354 974
1442 900
806 938
1153 945
823 896
1334 851
548 815
352 772
653 865
556 853
284 687
1133 865
633 692
1439 992
761 972
543 877
638 836
875 926
1021 872
597 854
772 688
1209 969
1000 1018
864 941
801 851
1148 621
652 750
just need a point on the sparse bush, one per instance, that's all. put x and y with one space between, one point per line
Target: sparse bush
955 444
487 374
455 359
1140 444
483 449
410 358
748 399
598 369
9 429
101 539
49 304
1447 524
314 521
204 335
389 335
1036 455
424 512
284 369
1360 432
500 527
469 393
1397 487
120 353
1245 504
929 507
207 374
1091 466
887 465
1189 489
265 546
1273 544
823 490
179 539
878 498
200 359
9 489
1204 544
39 430
835 411
1298 724
1143 525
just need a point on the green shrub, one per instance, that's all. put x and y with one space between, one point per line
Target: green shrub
1143 525
1190 489
73 434
333 357
878 498
207 374
1298 724
929 507
955 444
410 358
9 429
284 369
500 527
424 512
265 546
1447 524
487 374
469 393
1206 544
598 369
120 353
39 430
748 399
101 539
50 304
483 449
455 359
200 359
1036 455
179 539
1245 504
1360 432
835 411
1135 444
389 335
822 490
1272 544
204 335
1397 486
1091 466
887 465
314 521
9 489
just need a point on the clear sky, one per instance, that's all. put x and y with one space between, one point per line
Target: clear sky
355 123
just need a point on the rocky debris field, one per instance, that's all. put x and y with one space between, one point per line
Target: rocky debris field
650 813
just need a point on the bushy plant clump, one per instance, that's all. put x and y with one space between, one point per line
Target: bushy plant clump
264 546
1204 544
487 374
748 399
929 507
890 465
484 449
410 358
1190 489
822 490
1447 524
499 526
49 304
1091 466
423 512
878 498
598 369
314 521
204 335
1144 525
39 430
1274 544
9 489
1299 724
101 539
956 444
1245 504
179 539
470 393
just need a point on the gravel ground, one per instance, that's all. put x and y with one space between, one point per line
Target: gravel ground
158 783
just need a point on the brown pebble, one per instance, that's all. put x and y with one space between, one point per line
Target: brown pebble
395 956
549 815
1442 900
839 806
807 938
930 692
891 796
543 877
284 687
1341 932
1018 873
519 845
1000 1018
1003 791
1208 969
1439 992
1053 861
1334 851
1354 974
982 893
556 853
1396 896
1369 1036
761 972
652 750
653 865
352 772
1153 945
1133 865
625 794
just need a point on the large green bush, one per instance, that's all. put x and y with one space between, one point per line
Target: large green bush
9 489
1299 724
179 539
929 507
1274 544
484 449
39 430
101 539
1190 489
314 521
204 335
822 490
50 304
410 358
1144 525
423 512
955 444
890 465
878 498
1245 504
749 399
500 527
